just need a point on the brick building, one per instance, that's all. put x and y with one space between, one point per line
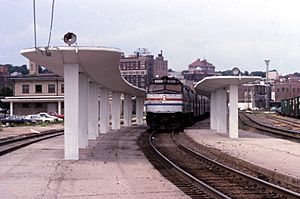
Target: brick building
286 88
4 77
141 68
198 70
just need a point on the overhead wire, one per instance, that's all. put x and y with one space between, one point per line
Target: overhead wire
34 25
51 23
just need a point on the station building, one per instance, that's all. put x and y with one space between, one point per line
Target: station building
36 93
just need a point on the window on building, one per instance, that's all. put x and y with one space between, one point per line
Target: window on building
25 88
62 88
51 88
38 88
38 105
25 105
278 90
298 90
294 90
282 89
287 90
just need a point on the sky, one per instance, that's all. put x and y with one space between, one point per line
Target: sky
227 33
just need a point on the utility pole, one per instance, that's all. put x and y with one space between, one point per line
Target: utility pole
267 85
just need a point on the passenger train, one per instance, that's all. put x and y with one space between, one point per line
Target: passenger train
172 105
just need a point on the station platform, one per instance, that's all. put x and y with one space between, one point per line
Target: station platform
111 167
272 155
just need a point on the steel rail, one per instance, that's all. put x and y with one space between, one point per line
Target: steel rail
269 185
285 121
214 192
12 144
269 128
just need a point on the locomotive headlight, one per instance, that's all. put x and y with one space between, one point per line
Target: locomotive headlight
164 98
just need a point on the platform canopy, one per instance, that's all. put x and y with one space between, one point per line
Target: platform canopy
213 83
100 64
216 88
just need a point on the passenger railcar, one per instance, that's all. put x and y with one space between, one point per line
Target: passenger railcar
173 105
291 107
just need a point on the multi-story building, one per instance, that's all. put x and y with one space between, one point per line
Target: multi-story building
35 93
141 68
252 96
198 70
286 88
204 66
273 75
4 77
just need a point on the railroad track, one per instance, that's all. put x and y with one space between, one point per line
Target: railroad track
211 178
284 122
10 144
271 129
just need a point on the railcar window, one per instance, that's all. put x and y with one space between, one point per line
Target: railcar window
173 87
156 87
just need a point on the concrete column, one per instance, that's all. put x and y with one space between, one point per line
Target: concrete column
71 95
83 121
127 109
59 108
93 111
139 110
233 112
116 110
219 109
104 110
213 111
223 111
98 118
11 108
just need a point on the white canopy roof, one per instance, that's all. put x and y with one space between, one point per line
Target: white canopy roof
210 84
99 63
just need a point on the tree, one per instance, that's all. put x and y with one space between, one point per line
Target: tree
297 74
258 73
226 73
246 73
20 69
4 92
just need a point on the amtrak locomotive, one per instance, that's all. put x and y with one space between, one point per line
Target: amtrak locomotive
173 105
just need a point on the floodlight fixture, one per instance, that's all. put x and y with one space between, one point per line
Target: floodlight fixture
70 38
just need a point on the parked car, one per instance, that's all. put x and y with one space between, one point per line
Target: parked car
57 115
48 118
43 117
16 120
51 116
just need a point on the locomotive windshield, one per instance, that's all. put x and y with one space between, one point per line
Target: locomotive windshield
165 86
156 87
173 87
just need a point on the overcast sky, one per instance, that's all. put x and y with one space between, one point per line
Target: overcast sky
227 33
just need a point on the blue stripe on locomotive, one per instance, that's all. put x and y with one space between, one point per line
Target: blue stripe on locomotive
164 104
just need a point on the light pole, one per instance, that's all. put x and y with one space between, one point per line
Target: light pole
267 84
